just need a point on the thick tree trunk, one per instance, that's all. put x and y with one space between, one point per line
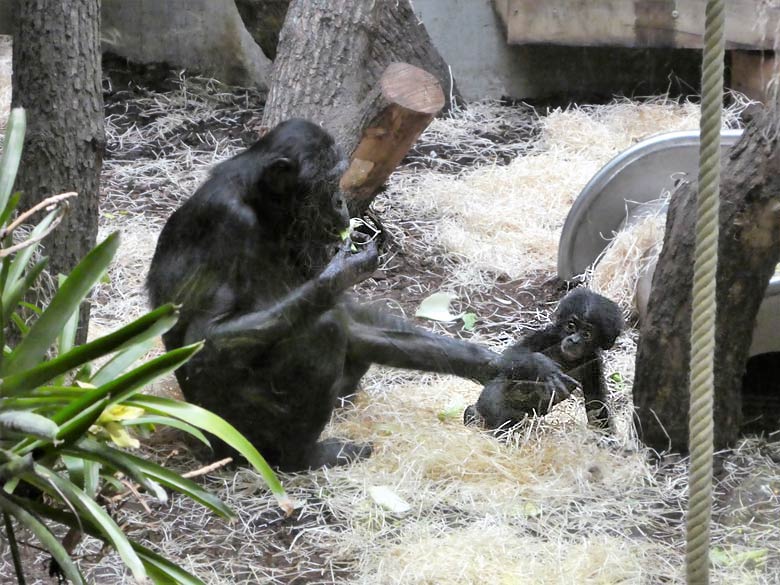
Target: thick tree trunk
264 19
749 248
319 73
331 55
330 60
56 78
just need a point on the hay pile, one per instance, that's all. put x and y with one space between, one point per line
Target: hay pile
507 219
558 504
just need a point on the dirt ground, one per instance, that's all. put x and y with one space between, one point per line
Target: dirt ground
559 504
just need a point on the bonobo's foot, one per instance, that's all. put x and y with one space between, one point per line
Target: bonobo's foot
333 452
471 417
598 414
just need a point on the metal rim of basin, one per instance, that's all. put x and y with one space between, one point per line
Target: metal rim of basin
635 177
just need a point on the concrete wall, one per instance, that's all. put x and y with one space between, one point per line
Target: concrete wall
206 35
471 38
209 36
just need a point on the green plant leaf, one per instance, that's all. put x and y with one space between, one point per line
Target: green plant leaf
80 414
20 324
137 467
140 346
67 338
44 536
211 423
12 153
122 387
169 422
33 347
119 461
469 321
22 258
386 498
453 411
140 330
93 512
15 291
28 423
13 202
162 570
437 307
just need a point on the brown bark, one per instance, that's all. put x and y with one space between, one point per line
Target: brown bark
57 73
331 54
749 248
406 101
319 72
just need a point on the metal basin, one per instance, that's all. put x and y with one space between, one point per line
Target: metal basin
633 178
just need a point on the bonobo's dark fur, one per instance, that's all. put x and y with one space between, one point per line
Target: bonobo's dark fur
585 323
256 261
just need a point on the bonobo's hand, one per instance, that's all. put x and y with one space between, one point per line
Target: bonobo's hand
535 366
348 267
549 372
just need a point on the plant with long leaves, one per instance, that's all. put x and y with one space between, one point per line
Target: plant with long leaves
63 426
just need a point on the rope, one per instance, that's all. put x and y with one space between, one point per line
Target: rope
703 318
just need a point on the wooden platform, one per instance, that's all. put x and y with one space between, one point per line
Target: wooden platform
627 23
750 30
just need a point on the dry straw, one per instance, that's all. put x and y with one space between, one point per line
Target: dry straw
556 504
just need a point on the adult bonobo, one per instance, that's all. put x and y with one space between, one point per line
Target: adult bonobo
257 262
585 323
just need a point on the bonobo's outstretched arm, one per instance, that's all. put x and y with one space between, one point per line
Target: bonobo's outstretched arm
301 305
376 336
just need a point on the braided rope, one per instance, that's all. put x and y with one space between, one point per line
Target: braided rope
703 318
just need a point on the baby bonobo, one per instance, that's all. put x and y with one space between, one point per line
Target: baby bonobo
585 323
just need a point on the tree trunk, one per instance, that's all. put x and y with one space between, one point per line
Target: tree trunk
56 78
749 248
331 55
264 19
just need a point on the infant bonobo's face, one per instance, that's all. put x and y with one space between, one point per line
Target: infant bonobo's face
578 342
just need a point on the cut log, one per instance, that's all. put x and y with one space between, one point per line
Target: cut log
332 54
403 105
749 248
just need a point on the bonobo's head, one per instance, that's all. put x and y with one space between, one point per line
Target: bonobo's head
297 167
587 322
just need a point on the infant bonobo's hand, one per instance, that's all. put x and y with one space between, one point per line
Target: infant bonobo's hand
350 267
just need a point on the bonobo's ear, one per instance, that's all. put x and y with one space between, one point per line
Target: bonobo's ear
611 325
281 174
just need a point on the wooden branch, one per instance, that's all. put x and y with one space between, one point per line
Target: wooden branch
208 468
404 103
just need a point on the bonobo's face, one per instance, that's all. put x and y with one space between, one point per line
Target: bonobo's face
577 338
316 165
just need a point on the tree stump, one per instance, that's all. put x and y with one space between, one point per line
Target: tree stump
398 111
749 248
